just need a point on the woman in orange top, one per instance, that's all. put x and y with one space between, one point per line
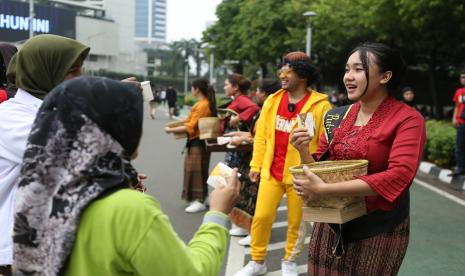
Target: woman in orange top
197 158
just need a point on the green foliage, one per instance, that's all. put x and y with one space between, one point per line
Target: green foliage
440 143
222 100
172 57
189 100
429 33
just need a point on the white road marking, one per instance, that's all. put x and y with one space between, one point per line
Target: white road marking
440 192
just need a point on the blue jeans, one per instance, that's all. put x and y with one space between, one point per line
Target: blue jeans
460 147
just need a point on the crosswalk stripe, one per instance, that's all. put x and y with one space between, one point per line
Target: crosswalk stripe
235 257
282 208
279 224
300 269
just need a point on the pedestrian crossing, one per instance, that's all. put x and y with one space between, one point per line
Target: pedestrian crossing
238 256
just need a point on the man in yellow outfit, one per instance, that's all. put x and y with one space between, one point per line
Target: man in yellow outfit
273 155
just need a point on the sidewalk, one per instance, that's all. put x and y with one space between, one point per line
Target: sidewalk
457 183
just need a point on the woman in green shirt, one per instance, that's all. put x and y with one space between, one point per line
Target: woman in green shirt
76 212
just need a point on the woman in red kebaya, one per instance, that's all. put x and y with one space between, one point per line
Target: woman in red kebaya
391 136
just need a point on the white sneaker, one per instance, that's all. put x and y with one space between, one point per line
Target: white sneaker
289 268
245 241
238 232
195 207
252 269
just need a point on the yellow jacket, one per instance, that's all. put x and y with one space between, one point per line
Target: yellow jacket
264 140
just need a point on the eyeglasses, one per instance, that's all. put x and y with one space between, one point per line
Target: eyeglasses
283 73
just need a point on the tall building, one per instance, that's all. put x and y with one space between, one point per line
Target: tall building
150 21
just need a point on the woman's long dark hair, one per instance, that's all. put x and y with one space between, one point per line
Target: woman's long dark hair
207 90
387 59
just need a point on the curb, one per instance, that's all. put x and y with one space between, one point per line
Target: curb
442 174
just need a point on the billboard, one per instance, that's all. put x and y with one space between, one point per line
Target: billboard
14 21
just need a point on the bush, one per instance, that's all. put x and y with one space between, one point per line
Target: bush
189 100
440 143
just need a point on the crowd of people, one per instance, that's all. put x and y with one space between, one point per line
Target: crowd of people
393 148
67 184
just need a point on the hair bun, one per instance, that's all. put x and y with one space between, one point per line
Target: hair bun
297 56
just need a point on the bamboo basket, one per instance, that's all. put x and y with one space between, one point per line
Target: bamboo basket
177 136
209 127
224 113
337 209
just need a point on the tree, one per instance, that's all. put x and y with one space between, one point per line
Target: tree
257 32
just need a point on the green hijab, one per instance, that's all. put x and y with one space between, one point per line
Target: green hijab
43 61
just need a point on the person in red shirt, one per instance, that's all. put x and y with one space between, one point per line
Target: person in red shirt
391 136
7 89
3 95
458 120
237 87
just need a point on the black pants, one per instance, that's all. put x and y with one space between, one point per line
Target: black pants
460 147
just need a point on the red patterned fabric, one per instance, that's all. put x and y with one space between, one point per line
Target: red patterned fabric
392 142
378 255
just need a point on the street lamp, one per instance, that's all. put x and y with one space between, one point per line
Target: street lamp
309 15
31 18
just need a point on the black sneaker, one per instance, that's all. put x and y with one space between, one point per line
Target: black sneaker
457 172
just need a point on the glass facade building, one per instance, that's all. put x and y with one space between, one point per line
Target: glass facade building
150 20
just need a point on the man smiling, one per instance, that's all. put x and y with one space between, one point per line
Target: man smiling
272 157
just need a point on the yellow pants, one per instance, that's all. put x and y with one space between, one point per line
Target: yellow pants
270 194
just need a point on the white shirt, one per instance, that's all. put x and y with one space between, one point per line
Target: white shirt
16 118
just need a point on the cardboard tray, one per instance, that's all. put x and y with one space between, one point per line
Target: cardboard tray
212 146
332 215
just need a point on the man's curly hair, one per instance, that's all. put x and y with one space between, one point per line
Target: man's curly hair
301 64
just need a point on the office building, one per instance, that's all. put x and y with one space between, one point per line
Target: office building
150 21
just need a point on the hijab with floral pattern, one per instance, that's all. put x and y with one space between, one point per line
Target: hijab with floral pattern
79 150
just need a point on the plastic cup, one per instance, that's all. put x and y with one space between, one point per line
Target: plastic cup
146 91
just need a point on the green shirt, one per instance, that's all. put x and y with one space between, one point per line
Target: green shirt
126 233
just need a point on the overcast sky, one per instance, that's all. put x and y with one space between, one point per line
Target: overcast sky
188 18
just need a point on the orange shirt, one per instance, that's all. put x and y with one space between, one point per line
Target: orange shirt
199 110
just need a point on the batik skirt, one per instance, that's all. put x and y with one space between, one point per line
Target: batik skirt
378 255
196 165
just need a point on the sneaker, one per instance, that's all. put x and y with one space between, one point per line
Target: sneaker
195 207
456 172
238 232
252 269
289 268
245 241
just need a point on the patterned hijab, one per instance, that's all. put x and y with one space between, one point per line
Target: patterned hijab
43 61
79 149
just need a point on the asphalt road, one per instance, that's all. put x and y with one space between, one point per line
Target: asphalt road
161 160
437 240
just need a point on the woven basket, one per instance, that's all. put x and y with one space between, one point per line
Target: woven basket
224 113
177 124
332 172
209 127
